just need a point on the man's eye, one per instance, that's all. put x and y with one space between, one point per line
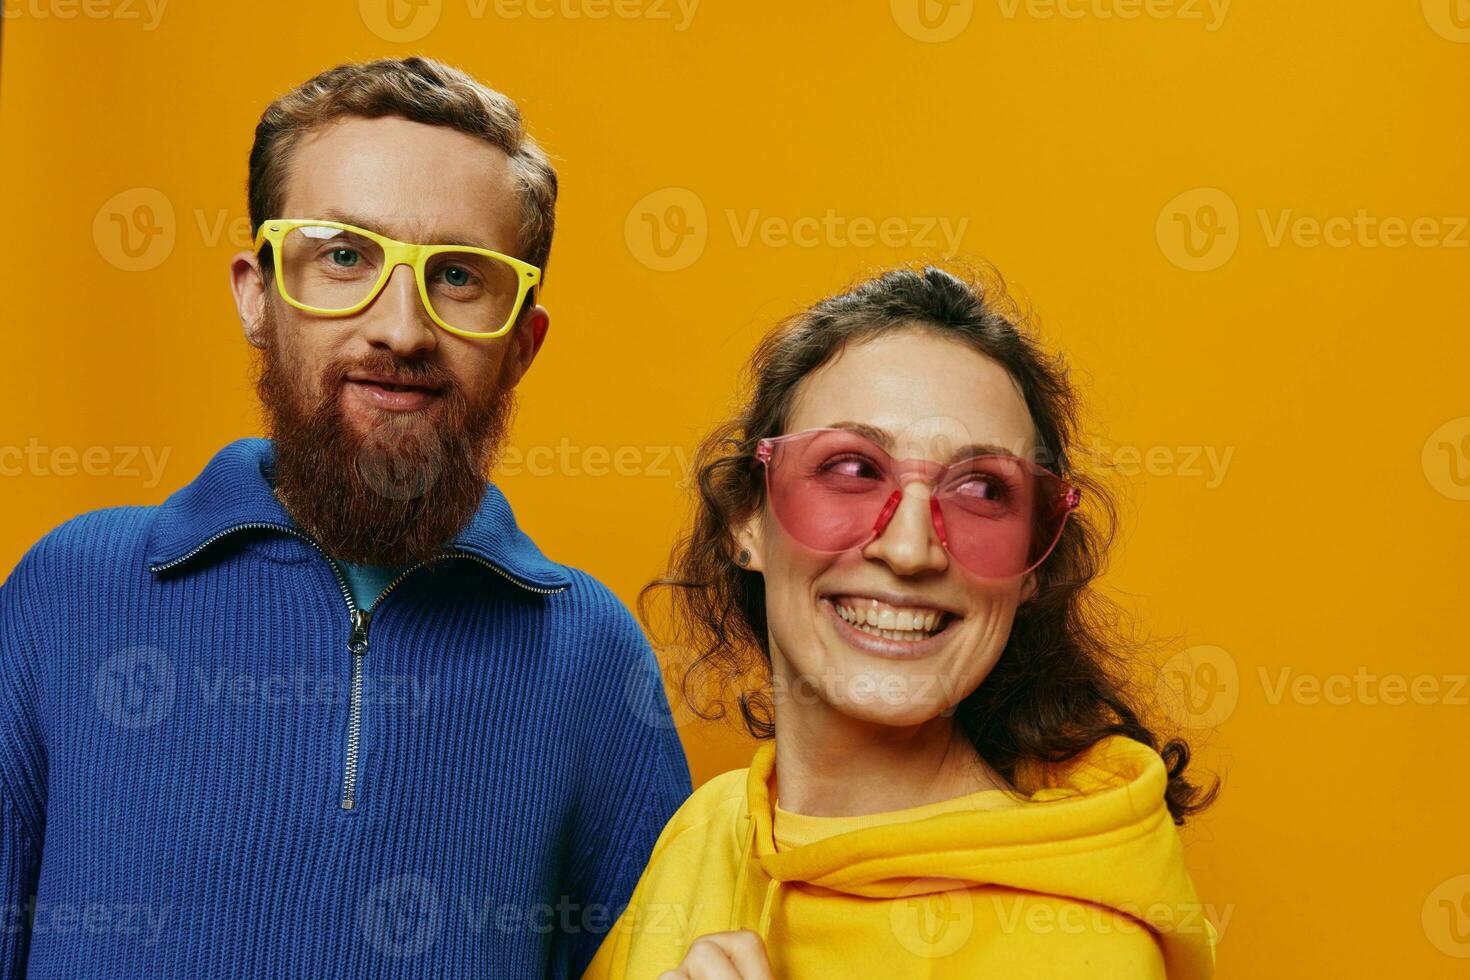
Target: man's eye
457 276
346 258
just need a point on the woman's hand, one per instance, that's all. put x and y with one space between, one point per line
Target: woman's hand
737 955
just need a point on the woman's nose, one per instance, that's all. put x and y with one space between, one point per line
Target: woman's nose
907 534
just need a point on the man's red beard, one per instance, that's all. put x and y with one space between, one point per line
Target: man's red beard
397 493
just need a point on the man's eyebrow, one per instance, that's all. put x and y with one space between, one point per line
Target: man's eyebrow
467 243
882 438
347 218
333 214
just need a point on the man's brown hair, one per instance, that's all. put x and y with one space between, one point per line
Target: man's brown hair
419 89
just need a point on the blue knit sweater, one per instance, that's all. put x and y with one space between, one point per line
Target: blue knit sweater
212 764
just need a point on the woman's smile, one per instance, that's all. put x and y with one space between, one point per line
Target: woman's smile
899 629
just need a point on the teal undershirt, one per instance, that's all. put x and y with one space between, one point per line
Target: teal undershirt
366 581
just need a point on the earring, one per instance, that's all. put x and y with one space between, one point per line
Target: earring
744 557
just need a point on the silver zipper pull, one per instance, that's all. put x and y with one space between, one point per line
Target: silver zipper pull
358 641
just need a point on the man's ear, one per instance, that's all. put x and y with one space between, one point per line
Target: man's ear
247 282
526 340
540 324
747 538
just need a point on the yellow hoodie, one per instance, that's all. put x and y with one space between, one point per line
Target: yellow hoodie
1085 878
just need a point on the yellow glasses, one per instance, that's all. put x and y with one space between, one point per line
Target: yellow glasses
332 269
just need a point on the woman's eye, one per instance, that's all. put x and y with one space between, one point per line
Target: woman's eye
851 466
983 488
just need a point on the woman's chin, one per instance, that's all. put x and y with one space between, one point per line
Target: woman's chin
892 698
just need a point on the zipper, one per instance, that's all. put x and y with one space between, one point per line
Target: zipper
504 574
359 621
357 647
253 525
347 593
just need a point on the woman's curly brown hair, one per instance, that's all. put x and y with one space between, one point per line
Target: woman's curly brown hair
1061 683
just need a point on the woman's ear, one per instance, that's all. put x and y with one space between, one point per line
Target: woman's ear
747 543
1029 587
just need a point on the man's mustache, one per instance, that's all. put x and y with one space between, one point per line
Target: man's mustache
392 371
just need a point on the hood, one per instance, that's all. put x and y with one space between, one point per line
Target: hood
1095 829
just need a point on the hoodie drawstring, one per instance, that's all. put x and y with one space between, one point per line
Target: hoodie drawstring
767 907
739 903
763 923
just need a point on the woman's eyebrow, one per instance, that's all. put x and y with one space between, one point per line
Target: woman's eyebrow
882 438
869 432
982 449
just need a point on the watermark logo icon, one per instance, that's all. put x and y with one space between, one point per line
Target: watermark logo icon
1199 230
134 687
1200 687
400 21
405 470
135 230
1446 916
643 693
668 229
932 21
1446 458
1450 19
932 917
402 917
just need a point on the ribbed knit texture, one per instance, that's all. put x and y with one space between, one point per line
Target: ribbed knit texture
173 745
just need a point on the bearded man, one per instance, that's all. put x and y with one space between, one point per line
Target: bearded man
327 711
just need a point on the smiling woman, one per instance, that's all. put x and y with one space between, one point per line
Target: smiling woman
891 572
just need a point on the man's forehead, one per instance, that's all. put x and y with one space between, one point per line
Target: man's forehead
413 228
407 180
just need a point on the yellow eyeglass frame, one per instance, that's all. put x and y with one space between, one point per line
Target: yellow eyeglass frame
395 253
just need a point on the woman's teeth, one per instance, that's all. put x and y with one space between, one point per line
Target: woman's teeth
891 622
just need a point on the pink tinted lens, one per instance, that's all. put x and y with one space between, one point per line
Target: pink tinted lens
998 516
828 490
1001 516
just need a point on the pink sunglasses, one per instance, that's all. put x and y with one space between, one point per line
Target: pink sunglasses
833 490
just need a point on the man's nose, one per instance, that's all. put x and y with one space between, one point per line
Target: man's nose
396 319
909 542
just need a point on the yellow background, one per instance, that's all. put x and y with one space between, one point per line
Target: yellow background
1074 146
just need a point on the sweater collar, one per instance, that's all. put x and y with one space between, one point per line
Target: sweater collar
231 493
